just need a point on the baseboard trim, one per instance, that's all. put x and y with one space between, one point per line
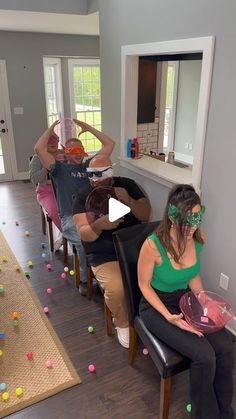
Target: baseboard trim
23 176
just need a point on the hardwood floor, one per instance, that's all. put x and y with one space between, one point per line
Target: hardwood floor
116 390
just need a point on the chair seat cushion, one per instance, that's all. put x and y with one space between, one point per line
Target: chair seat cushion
167 360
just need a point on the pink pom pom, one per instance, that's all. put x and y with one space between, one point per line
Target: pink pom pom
204 319
91 368
63 275
46 309
49 290
145 351
49 267
48 363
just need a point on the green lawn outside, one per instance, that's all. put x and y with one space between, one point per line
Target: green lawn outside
92 118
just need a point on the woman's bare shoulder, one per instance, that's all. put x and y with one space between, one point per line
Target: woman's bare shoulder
150 248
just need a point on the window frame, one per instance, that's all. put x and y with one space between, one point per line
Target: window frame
170 146
58 85
81 62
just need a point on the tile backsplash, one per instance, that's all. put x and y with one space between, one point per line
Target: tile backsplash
148 136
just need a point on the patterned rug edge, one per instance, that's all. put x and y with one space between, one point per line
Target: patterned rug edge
75 376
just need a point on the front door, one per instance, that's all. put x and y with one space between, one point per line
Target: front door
7 151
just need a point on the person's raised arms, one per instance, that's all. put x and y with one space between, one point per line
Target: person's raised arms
107 143
40 148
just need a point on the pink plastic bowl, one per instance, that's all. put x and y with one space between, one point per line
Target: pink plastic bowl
206 311
65 130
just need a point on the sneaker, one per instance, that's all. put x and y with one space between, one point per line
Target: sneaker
123 336
83 289
58 243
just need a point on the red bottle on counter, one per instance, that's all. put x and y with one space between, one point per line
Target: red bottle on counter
135 142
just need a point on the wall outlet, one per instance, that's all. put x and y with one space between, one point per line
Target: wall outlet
18 111
224 281
190 146
186 146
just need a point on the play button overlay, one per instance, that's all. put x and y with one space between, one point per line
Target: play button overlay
102 202
116 209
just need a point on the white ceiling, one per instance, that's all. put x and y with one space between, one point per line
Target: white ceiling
12 20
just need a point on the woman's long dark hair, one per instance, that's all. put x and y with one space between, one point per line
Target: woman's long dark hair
184 197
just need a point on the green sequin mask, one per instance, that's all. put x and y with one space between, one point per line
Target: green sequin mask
192 219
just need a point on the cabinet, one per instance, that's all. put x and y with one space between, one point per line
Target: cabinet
146 91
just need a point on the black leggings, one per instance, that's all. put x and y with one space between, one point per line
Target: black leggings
211 369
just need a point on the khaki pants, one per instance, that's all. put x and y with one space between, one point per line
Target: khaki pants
109 276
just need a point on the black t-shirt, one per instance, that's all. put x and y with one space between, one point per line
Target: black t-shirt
102 250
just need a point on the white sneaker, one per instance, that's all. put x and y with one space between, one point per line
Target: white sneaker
58 243
123 336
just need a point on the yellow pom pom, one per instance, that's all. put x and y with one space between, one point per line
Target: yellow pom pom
72 272
5 396
1 353
19 391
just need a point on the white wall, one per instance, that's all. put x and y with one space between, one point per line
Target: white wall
47 6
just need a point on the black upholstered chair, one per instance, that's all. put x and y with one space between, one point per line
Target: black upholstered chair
128 243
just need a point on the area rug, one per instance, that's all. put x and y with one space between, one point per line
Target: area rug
31 333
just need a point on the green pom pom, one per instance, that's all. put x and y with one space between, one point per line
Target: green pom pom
90 329
189 408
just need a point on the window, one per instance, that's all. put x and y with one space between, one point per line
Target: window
85 97
170 105
53 89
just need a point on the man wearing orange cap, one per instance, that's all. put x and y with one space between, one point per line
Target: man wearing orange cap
68 178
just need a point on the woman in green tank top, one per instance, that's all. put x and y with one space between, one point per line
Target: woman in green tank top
169 264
